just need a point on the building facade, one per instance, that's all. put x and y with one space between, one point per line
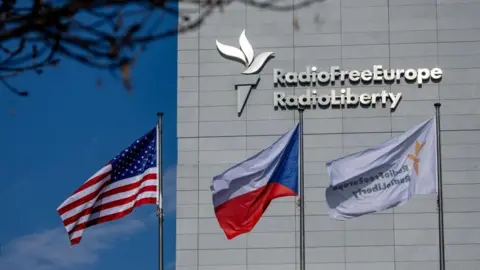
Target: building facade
216 131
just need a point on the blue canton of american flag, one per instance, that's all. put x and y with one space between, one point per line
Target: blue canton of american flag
127 181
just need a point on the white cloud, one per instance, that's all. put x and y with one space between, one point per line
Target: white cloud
51 250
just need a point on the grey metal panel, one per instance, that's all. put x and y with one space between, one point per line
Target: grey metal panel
222 256
462 236
304 40
377 37
186 211
413 92
187 114
419 204
187 98
410 2
222 143
209 170
230 128
222 267
190 70
462 220
272 240
322 126
276 224
186 257
463 264
409 238
217 98
418 49
413 36
424 61
187 170
462 252
187 129
365 51
267 127
322 223
361 254
186 241
370 124
187 197
412 18
370 238
325 266
187 84
187 43
267 112
218 157
272 267
188 56
459 35
364 19
364 140
461 164
370 222
418 266
325 255
416 253
364 63
371 266
461 16
322 154
187 226
416 221
188 157
325 238
219 242
462 205
326 140
271 256
325 16
191 267
185 183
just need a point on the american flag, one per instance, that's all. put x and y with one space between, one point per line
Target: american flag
125 182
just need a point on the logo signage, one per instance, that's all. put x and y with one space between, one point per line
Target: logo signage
312 78
253 65
414 157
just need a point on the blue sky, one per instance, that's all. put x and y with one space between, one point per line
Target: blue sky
55 139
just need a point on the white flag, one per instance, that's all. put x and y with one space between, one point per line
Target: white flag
384 176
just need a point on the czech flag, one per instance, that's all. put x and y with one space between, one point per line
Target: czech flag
242 193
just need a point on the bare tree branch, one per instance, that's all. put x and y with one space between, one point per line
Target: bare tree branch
102 34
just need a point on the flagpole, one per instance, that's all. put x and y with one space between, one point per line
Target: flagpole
302 192
441 243
160 190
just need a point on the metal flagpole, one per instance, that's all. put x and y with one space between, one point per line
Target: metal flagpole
160 191
302 193
441 243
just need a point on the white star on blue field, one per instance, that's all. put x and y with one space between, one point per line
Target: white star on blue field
55 139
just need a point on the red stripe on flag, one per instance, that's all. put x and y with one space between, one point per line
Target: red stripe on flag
108 205
92 182
151 176
82 200
111 217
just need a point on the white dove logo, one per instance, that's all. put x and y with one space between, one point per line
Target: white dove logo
245 55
